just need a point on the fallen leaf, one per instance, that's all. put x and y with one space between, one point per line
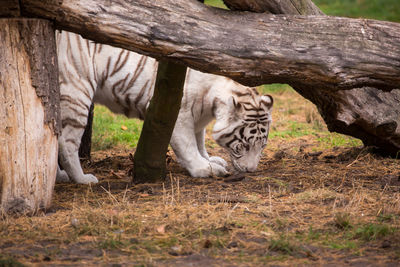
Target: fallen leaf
112 212
161 229
266 233
88 238
124 128
75 222
118 175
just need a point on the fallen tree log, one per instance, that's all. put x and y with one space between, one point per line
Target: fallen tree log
365 113
311 52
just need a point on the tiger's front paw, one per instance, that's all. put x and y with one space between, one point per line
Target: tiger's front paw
219 160
209 169
218 170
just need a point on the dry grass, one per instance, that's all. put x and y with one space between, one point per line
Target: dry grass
308 204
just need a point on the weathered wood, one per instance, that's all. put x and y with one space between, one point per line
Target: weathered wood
365 113
29 102
160 118
316 52
9 8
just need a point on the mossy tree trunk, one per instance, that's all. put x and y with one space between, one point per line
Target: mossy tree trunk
160 118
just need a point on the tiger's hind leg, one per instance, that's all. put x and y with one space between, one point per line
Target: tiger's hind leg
75 107
69 158
62 176
77 76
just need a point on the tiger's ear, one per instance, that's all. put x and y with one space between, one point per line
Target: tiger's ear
267 100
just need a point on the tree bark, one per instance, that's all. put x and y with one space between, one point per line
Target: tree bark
312 52
29 114
86 140
160 118
9 8
365 113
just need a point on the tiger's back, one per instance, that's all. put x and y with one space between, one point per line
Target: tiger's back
114 77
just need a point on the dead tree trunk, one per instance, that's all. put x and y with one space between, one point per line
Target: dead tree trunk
160 118
29 102
365 113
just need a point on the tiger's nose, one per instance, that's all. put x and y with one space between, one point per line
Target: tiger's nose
251 168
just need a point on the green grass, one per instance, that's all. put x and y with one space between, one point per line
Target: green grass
342 221
111 130
275 88
346 235
293 129
296 129
371 231
373 9
342 245
111 243
283 245
216 3
6 261
386 217
338 140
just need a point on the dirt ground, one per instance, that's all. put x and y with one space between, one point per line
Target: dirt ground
337 207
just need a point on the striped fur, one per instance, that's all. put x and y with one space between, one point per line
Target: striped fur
124 81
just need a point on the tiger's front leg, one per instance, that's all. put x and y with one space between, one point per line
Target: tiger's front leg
200 139
186 148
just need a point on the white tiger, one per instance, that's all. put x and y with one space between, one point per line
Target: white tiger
124 81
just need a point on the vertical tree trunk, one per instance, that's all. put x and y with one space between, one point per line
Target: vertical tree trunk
160 118
29 114
86 141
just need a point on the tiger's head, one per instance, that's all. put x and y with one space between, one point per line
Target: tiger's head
243 129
